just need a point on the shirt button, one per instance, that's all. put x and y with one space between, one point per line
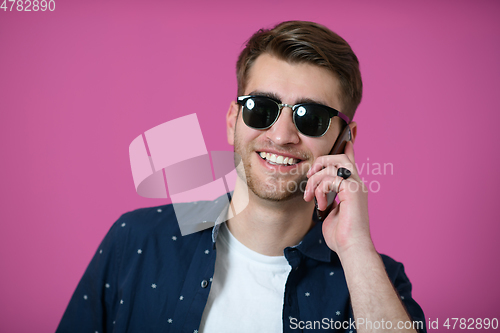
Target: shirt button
204 283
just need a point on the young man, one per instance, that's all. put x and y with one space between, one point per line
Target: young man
274 266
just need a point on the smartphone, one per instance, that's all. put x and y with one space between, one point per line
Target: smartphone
338 148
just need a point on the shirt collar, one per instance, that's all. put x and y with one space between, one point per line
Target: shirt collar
218 214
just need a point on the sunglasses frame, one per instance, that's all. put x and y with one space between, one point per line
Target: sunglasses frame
241 100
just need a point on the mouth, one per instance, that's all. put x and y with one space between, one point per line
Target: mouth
278 159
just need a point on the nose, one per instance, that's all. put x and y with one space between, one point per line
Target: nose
283 131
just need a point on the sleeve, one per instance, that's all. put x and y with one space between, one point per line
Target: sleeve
403 287
93 303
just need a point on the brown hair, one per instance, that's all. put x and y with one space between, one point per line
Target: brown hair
300 41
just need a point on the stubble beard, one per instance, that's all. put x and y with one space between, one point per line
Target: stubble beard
275 186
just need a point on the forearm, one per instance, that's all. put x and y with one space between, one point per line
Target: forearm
373 297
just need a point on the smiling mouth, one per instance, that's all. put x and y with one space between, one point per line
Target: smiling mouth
278 159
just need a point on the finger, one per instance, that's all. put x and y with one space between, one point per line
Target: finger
349 189
316 179
332 170
329 171
337 161
328 184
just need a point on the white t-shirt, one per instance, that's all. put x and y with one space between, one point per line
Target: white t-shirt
247 289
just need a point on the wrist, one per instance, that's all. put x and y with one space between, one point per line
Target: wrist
358 252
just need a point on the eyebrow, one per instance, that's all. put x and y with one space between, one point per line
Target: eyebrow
277 98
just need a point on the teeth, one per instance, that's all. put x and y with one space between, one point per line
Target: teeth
278 159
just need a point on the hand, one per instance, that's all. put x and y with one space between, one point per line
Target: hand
347 225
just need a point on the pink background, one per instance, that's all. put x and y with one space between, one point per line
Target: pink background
77 85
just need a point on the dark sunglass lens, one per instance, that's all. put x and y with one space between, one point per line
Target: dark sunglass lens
259 112
312 120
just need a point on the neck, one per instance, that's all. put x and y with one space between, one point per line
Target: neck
268 227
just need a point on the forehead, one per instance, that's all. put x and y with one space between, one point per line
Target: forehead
293 82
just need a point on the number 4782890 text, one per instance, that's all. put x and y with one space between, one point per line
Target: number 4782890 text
28 5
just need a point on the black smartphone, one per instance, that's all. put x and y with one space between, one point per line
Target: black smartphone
338 148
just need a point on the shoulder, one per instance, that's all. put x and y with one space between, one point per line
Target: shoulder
150 219
155 229
396 273
389 263
181 222
157 222
143 237
393 268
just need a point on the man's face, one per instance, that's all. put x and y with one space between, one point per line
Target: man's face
291 84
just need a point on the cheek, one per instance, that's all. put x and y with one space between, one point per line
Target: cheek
328 140
321 146
335 127
324 150
244 134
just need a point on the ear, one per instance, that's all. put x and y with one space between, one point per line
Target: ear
231 118
354 130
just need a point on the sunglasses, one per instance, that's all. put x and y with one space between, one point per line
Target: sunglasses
311 119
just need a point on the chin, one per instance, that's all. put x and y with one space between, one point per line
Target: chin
277 190
263 181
